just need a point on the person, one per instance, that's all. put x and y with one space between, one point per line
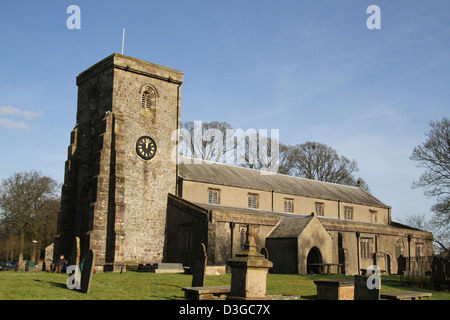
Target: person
60 264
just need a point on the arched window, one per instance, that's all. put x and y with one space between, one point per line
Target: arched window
398 248
148 98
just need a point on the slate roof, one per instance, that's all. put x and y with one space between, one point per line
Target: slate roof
290 228
229 175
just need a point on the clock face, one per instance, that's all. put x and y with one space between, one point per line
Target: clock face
146 147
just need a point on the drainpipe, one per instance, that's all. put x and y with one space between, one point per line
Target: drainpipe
178 139
389 215
409 252
357 251
339 209
232 225
179 190
272 199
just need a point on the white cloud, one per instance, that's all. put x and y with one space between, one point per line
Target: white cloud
28 115
8 123
17 113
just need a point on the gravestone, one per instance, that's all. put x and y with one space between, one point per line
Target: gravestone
48 258
198 279
365 290
75 254
88 269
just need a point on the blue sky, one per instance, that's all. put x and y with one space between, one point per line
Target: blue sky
311 69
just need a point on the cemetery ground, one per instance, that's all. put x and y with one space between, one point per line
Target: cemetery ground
132 285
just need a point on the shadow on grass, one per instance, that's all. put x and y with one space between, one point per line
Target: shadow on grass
53 284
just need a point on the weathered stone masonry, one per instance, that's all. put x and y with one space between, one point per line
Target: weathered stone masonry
112 199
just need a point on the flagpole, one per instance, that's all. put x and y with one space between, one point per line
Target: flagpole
123 39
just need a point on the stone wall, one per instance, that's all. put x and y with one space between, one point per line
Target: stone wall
148 182
383 240
187 228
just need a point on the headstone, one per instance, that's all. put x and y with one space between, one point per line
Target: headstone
75 254
365 290
198 279
88 269
49 257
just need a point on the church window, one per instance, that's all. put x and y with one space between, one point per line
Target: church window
348 213
148 99
366 248
320 208
288 205
373 216
419 249
253 200
398 248
214 196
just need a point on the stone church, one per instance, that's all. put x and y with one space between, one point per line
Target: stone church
126 198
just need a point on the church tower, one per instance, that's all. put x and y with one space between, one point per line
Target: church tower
119 169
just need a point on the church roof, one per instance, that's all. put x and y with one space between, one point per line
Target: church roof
290 228
229 175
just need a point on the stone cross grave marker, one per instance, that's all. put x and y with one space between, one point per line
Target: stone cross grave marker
249 271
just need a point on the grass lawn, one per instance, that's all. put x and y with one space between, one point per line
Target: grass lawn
150 286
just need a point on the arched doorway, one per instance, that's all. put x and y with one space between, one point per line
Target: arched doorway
314 260
388 263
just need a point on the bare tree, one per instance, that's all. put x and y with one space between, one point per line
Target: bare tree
260 152
219 142
434 156
441 237
28 203
286 158
205 140
317 161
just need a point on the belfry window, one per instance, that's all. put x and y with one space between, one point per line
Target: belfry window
148 99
